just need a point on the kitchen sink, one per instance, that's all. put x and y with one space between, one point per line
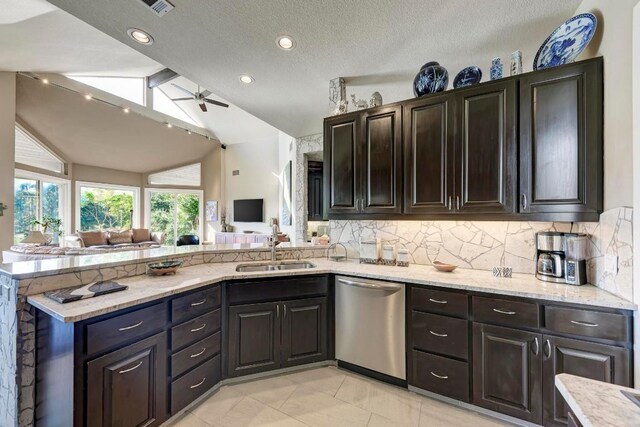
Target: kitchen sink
274 266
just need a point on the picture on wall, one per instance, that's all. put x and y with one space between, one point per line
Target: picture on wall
285 203
212 210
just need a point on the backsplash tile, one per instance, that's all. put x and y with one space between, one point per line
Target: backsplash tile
482 244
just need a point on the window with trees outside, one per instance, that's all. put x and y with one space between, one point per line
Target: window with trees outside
107 207
174 212
40 203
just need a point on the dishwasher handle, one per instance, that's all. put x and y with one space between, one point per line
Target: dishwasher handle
376 286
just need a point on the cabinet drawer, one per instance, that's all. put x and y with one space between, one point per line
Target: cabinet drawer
192 385
439 302
127 327
277 290
440 334
498 311
440 375
192 305
196 353
194 330
595 324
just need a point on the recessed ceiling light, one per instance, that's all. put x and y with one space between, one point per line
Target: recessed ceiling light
286 43
88 97
140 36
126 110
245 78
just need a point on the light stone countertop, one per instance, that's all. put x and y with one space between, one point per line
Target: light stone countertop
144 288
598 404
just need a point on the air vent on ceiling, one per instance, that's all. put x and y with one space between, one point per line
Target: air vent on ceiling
159 7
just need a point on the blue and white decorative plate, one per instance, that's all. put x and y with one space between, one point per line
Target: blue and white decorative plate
467 77
566 42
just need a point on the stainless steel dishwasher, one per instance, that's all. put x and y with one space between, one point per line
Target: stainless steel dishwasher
370 325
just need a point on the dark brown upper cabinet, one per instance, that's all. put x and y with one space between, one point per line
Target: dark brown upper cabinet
561 140
363 162
526 147
428 156
315 194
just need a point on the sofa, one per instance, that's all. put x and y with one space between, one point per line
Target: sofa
136 238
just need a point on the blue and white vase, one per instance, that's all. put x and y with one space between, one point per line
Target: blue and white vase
496 69
432 78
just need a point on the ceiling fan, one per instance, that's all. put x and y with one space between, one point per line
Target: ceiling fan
199 97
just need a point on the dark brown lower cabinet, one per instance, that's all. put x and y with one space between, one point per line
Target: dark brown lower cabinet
254 338
585 359
507 371
128 386
275 335
304 331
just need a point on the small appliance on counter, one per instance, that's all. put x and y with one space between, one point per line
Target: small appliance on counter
561 257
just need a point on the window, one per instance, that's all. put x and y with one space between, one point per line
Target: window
130 88
106 206
31 152
39 198
174 212
186 175
164 104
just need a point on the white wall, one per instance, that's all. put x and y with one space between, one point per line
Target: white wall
613 42
636 186
286 153
7 155
258 179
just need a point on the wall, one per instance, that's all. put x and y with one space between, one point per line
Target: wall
7 155
613 42
258 179
636 185
287 153
212 186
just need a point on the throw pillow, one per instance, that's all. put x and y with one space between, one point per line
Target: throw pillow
141 235
120 237
93 238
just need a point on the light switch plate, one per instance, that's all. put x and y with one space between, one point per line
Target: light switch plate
611 264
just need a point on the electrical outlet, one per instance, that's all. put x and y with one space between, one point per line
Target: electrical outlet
611 264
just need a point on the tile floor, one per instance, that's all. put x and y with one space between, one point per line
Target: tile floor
325 396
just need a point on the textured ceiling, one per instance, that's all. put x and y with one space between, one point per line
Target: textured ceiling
374 44
95 134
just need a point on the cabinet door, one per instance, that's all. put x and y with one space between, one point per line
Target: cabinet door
507 375
254 338
561 139
128 386
314 194
428 141
382 155
589 360
341 165
304 331
486 152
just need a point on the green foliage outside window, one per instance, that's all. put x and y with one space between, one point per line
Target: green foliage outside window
105 209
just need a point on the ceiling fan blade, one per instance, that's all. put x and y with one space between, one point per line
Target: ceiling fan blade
205 93
218 103
182 99
203 107
182 89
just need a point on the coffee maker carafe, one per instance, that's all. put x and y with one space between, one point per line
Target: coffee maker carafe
561 257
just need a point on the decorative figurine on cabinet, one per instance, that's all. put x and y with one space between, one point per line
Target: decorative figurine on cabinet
360 104
376 100
516 63
496 69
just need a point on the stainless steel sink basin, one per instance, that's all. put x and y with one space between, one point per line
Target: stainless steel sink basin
274 266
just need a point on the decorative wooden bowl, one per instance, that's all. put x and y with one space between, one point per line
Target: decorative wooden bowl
441 266
163 268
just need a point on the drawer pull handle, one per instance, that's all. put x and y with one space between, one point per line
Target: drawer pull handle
193 356
126 328
199 384
580 323
437 301
510 313
132 369
200 328
537 348
195 304
442 377
437 334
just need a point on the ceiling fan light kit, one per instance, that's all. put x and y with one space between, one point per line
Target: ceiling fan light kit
199 97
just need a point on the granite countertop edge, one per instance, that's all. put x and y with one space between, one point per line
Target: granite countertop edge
144 289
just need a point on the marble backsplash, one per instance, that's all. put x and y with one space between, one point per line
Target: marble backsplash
483 245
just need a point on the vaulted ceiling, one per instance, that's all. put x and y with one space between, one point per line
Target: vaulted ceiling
374 44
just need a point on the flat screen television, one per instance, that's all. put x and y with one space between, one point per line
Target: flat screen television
248 210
